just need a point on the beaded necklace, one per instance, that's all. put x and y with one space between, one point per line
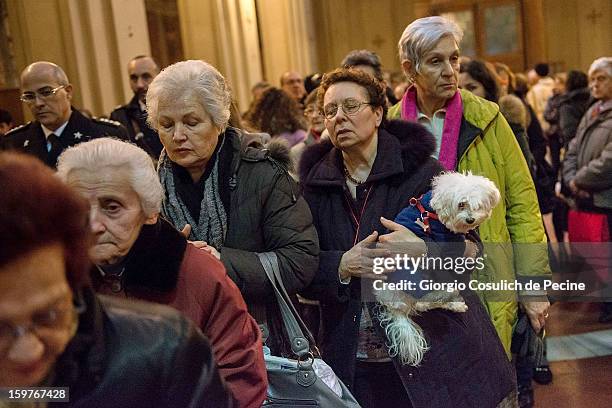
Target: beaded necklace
351 178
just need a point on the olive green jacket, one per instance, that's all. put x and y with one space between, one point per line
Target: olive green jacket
488 147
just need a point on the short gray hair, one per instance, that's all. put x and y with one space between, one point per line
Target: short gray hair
101 153
192 79
602 64
422 35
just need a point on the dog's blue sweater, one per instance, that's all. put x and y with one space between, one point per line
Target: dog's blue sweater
409 217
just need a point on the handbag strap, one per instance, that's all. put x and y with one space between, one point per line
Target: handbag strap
300 344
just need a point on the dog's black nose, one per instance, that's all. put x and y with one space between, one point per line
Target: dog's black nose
470 220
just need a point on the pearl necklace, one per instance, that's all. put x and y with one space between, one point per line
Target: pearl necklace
351 178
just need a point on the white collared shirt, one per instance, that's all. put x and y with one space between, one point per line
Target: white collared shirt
57 132
435 126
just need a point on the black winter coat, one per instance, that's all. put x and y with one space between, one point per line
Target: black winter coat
572 107
267 213
128 354
466 365
545 177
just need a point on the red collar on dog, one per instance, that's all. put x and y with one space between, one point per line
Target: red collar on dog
425 215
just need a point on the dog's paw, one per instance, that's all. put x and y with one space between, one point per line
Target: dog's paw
459 307
423 306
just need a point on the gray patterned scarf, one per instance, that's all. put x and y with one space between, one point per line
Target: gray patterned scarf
212 225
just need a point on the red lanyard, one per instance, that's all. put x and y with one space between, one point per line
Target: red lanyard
358 221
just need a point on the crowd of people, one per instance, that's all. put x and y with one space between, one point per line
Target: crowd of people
129 246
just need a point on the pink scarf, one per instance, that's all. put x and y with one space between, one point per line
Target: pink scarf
452 124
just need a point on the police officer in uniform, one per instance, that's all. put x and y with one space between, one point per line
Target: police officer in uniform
57 125
141 70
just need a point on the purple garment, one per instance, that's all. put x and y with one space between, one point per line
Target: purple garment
452 124
293 138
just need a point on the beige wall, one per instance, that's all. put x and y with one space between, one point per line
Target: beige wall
131 37
288 36
227 33
570 39
345 25
573 38
92 40
224 34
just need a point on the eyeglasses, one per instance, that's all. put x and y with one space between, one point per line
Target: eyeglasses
43 324
349 106
45 93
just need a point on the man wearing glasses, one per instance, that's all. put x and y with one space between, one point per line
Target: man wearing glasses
57 125
293 84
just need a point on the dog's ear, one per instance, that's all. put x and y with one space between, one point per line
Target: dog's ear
484 194
445 180
492 193
443 197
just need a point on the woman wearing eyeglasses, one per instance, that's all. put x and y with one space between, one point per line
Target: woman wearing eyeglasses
355 183
316 127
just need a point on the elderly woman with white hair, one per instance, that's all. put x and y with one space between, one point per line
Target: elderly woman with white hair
239 200
587 168
472 135
139 255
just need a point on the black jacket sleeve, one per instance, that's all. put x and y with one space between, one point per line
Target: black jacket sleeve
194 380
287 230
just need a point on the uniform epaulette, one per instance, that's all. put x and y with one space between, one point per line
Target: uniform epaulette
21 127
106 121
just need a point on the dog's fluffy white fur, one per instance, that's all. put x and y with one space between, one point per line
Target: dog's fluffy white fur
462 202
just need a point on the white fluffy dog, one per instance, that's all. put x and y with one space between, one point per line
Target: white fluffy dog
457 204
463 201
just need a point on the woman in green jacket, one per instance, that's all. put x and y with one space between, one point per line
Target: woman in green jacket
472 135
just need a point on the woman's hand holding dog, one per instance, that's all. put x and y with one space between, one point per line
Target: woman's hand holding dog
359 260
412 245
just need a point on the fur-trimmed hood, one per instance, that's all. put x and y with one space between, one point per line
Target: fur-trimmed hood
513 109
402 147
259 146
280 151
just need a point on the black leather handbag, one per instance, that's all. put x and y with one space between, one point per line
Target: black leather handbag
294 383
